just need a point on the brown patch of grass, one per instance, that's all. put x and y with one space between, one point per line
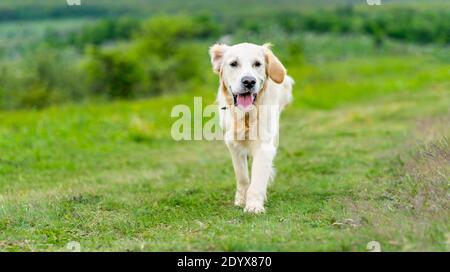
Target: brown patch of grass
408 207
431 128
429 174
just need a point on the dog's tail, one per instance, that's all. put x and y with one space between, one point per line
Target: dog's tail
287 98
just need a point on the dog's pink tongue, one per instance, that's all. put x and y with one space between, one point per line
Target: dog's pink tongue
245 100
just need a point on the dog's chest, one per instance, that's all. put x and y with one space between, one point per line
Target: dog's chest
240 125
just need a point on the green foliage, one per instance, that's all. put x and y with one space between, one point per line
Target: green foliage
161 58
111 73
45 9
399 22
43 77
94 34
128 57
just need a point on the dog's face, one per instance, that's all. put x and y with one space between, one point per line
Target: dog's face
244 69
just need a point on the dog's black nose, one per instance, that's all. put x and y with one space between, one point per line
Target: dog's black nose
248 82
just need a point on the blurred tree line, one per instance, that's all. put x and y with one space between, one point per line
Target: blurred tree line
131 58
109 59
162 57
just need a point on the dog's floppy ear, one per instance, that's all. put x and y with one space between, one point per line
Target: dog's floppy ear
274 67
216 53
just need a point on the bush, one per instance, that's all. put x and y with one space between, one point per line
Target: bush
111 73
161 58
43 77
131 58
96 33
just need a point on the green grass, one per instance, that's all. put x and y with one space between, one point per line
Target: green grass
351 168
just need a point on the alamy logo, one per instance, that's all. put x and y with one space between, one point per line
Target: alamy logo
206 123
73 2
73 246
374 246
373 2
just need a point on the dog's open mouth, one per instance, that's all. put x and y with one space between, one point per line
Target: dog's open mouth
244 100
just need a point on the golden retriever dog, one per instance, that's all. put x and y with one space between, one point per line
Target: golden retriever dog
254 89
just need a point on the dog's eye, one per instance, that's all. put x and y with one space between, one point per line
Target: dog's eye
257 64
234 64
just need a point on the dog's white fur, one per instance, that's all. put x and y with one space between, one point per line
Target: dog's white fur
273 88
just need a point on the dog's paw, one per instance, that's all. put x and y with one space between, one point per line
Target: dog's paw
255 207
239 201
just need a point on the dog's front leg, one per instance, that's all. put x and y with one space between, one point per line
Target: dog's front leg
261 173
240 166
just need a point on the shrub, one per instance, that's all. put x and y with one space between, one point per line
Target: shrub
162 57
42 77
111 73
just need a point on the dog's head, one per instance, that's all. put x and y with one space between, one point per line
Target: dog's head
244 69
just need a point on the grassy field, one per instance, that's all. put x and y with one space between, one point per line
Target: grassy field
363 156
